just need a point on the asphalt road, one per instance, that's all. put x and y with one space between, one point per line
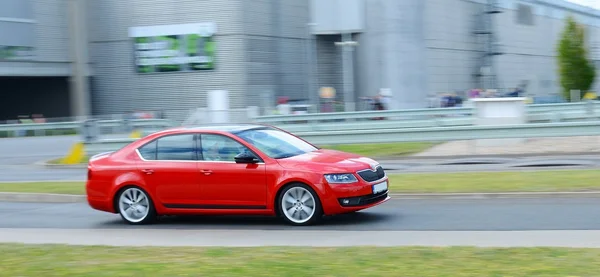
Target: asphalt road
18 173
28 150
395 215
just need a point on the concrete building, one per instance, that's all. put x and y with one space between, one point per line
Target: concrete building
113 56
36 60
420 48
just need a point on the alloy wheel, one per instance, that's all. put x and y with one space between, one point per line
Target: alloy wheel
135 205
299 205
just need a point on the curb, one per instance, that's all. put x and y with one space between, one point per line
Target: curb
67 166
71 198
41 197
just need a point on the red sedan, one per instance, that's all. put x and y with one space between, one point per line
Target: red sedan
232 170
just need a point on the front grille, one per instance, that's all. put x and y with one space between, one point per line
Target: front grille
363 200
371 176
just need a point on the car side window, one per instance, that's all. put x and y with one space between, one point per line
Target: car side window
176 148
220 148
148 151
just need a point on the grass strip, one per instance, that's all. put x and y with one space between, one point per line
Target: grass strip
383 150
513 181
59 260
76 188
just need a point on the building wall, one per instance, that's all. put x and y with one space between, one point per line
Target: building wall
451 48
276 44
416 48
392 54
530 49
261 48
41 24
119 88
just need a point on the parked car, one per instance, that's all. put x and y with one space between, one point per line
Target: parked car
232 170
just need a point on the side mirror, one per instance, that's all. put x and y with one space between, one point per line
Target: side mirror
245 158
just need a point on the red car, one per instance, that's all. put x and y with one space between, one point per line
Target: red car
232 170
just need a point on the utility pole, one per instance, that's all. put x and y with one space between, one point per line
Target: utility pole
79 88
347 45
312 92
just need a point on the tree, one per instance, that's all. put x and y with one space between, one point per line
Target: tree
576 70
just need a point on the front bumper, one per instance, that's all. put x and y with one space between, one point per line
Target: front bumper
354 197
363 200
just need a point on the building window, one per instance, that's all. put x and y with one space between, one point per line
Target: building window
524 15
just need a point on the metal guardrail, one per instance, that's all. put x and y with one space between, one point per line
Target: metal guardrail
440 134
439 112
416 118
565 116
541 117
429 134
539 112
76 124
377 124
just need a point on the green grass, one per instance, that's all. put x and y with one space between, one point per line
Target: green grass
44 187
379 150
520 181
516 181
58 260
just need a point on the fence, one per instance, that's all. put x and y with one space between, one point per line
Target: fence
74 127
535 113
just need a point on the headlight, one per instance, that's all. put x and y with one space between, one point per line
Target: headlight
346 178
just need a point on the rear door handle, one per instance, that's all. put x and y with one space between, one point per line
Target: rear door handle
206 171
148 171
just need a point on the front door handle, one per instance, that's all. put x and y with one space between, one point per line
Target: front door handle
148 171
206 171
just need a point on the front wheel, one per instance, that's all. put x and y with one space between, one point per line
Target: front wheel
300 205
135 206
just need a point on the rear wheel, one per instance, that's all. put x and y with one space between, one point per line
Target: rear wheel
299 205
135 206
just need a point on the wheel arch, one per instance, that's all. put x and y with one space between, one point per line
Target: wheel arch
129 179
289 183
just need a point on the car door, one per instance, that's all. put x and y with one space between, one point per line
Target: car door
226 184
169 167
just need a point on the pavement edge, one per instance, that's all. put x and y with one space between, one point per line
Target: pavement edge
45 163
41 197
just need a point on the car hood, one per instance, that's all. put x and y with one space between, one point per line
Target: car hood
328 161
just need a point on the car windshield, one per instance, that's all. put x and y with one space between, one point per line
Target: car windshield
275 143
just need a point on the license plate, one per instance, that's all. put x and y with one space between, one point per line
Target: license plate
377 188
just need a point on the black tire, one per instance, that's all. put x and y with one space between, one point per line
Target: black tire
150 216
317 210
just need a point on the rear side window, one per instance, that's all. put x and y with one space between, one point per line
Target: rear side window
176 148
148 151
